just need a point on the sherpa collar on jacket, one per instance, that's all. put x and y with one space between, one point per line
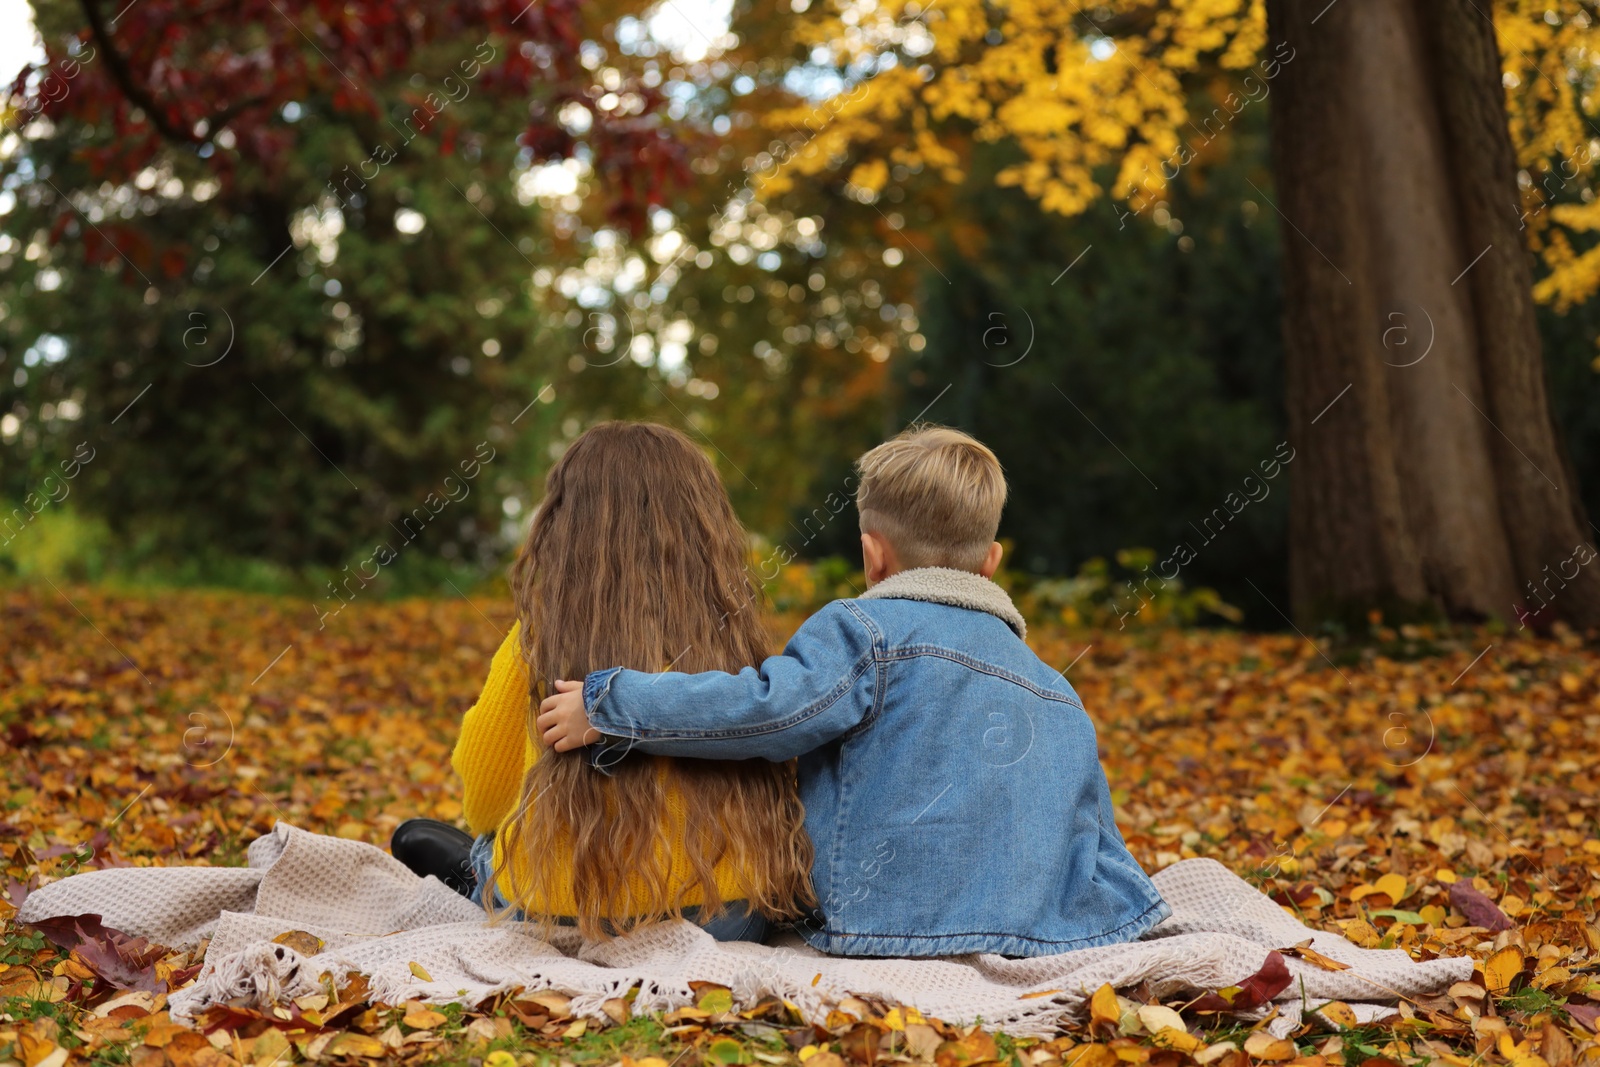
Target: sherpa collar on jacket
959 589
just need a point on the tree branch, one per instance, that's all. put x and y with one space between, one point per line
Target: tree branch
136 94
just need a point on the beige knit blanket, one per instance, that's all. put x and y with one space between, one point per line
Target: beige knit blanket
377 918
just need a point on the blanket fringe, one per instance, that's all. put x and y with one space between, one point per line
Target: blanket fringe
260 977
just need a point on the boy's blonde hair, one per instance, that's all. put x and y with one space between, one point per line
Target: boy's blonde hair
935 494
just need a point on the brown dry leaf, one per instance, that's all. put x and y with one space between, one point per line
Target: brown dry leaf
302 942
190 1049
163 1030
557 1005
859 1044
921 1040
486 1030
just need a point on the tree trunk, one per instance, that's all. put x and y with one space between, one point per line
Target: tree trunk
1429 477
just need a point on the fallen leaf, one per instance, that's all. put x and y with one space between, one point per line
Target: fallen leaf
302 942
1478 908
725 1050
1339 1014
1304 951
1261 1045
1254 992
1157 1017
1501 968
1393 886
715 1000
1104 1007
423 1018
123 961
921 1040
1587 1014
418 970
349 1044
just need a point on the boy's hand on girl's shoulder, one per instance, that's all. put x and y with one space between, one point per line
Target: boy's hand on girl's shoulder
563 722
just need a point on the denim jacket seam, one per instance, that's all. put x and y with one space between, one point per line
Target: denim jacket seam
877 644
904 652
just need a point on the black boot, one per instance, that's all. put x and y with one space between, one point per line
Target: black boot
429 846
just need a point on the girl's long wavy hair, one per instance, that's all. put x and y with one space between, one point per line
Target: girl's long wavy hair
636 559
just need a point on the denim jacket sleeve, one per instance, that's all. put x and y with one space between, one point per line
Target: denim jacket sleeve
820 687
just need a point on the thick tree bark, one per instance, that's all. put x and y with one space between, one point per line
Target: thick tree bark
1430 476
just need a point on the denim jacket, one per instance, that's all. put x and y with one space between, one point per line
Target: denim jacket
951 779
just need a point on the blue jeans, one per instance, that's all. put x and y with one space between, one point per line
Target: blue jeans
736 923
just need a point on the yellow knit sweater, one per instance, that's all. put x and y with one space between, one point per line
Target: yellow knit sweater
495 751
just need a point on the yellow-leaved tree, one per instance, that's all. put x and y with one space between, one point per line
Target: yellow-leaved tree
1424 152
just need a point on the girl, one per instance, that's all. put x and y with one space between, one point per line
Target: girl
637 550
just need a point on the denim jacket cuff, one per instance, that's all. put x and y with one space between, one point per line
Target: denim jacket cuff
595 687
605 753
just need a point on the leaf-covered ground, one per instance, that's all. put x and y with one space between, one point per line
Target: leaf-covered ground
1434 791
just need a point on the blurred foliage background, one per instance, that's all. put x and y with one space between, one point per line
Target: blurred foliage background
277 369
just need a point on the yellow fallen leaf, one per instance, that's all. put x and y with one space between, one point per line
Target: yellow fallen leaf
1263 1046
1500 968
421 1018
1039 993
1392 886
418 970
1305 952
1178 1040
1362 933
1445 876
351 1043
1339 1014
35 1050
1519 1055
1092 1055
1551 976
1104 1008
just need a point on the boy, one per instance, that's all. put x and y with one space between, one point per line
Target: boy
951 780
